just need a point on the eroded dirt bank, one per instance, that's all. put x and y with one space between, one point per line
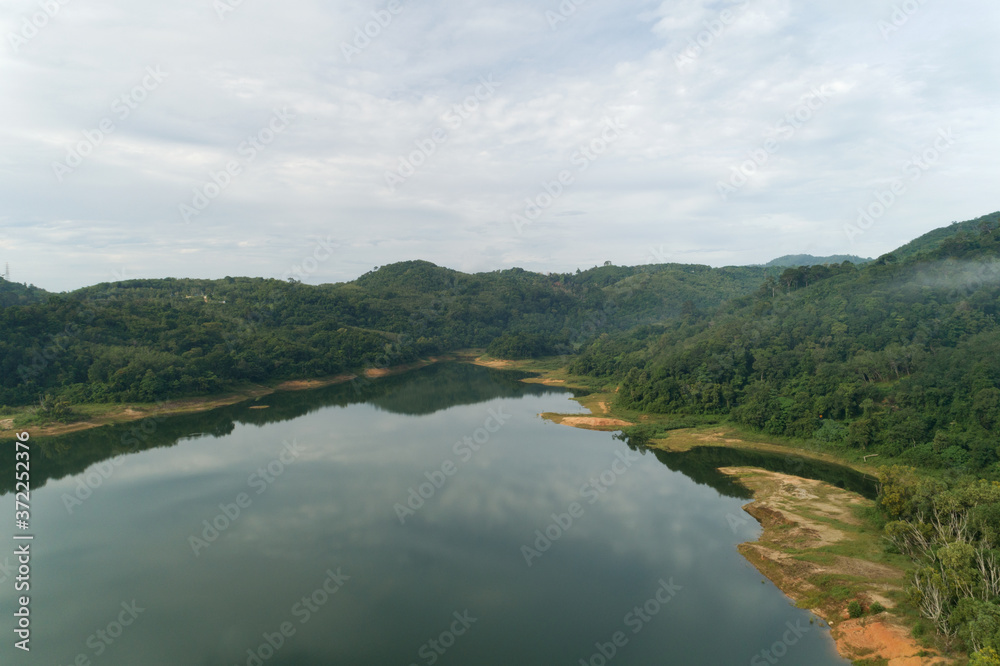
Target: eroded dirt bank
817 550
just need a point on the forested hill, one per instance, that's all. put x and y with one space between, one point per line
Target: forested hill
899 357
12 293
793 260
146 340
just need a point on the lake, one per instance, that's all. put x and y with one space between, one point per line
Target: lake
428 518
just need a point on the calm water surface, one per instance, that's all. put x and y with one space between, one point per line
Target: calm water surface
391 526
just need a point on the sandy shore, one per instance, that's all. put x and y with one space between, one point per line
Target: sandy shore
807 523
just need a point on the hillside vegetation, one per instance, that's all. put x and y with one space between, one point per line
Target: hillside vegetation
900 359
897 358
148 340
793 260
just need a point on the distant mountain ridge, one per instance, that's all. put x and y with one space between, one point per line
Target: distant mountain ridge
933 240
795 260
899 357
150 339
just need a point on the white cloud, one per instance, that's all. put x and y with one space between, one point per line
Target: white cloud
688 126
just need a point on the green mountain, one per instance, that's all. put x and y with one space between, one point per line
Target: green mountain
933 240
145 340
793 260
12 293
899 357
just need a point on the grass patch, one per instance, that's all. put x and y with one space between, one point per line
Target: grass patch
832 590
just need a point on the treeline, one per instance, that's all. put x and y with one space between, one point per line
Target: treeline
12 293
148 340
898 357
952 534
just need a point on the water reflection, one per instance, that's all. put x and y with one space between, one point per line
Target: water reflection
702 466
432 389
282 533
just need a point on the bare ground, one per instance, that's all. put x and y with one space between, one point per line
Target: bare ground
803 517
585 422
592 421
306 384
495 363
193 405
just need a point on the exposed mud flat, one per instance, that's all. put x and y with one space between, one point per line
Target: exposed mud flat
802 517
593 421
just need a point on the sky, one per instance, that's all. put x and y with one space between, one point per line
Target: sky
319 140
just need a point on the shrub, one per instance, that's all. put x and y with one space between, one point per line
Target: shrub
876 608
854 609
986 657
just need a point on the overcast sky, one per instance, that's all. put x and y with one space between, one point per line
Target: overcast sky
636 132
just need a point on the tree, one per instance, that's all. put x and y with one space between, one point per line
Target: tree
987 657
986 408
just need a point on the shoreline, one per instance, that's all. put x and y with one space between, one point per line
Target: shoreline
721 435
813 545
116 414
804 522
807 525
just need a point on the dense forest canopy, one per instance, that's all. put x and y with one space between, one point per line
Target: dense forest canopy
146 340
793 260
900 355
